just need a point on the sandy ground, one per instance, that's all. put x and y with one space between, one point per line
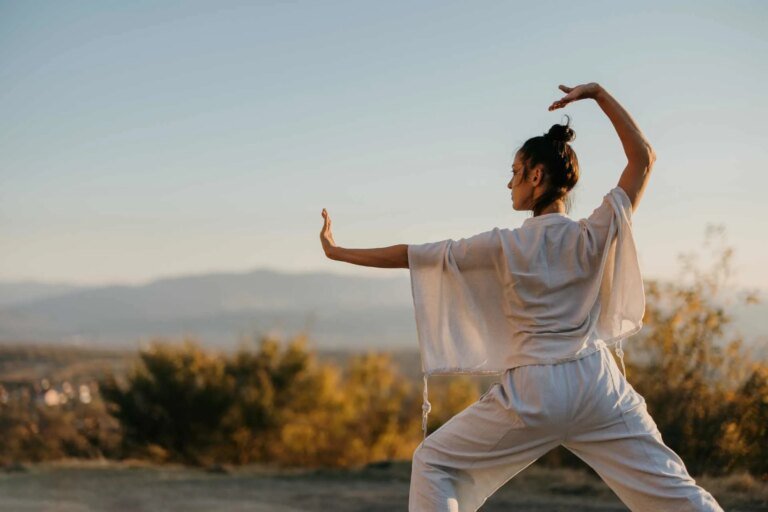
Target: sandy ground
72 486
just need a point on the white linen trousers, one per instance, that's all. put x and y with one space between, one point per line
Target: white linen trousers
584 404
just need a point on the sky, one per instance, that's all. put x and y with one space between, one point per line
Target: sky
142 140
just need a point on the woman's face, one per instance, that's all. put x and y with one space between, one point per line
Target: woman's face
523 190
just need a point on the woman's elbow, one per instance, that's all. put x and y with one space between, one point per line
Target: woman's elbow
646 156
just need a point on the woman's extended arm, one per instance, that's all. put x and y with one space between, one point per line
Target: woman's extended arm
394 256
640 154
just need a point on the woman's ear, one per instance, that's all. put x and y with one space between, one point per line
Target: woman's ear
536 175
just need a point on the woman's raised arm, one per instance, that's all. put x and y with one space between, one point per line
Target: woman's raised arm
640 154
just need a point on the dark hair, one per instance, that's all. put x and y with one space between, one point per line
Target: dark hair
561 167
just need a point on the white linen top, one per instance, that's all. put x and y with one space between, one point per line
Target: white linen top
552 290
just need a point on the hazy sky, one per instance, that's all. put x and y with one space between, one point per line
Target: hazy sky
146 139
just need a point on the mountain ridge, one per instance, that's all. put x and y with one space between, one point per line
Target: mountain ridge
335 311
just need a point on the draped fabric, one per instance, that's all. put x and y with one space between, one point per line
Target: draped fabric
551 290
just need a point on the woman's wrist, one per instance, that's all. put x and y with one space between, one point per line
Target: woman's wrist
599 92
333 252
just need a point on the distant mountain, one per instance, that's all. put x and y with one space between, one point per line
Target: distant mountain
18 292
222 309
337 311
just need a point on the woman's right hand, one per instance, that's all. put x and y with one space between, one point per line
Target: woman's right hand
579 92
326 235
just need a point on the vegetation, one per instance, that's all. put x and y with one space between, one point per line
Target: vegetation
280 405
277 405
708 396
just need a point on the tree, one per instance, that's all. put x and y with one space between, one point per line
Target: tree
689 366
175 400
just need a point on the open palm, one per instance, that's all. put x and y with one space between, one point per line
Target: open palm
574 94
326 236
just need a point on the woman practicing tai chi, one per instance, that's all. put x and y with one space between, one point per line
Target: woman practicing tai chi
540 305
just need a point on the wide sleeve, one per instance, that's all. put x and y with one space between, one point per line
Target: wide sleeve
607 233
475 252
458 297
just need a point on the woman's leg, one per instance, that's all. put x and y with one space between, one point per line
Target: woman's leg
461 464
617 437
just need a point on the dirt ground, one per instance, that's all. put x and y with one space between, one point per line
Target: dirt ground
75 486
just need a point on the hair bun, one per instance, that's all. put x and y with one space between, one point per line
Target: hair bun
561 132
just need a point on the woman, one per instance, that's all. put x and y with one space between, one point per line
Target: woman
540 305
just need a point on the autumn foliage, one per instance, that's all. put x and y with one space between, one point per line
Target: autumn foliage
277 405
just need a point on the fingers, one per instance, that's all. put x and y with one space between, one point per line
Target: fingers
563 101
327 223
558 104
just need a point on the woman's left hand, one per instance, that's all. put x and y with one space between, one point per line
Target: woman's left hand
326 236
579 92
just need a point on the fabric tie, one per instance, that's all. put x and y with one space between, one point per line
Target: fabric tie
620 353
425 407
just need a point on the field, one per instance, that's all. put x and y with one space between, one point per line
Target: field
80 486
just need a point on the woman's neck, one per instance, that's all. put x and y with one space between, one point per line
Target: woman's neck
556 207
